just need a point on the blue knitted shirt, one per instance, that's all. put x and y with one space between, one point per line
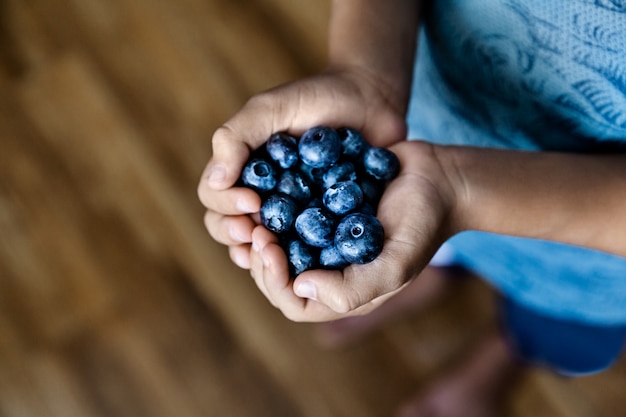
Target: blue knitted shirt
533 75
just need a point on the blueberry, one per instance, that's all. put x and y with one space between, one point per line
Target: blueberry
278 213
283 149
342 171
359 238
295 186
343 197
315 202
259 175
372 189
309 185
330 258
381 163
352 143
319 147
315 227
368 208
301 257
313 176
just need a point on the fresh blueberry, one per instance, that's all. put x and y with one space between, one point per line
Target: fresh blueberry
359 238
336 176
342 171
301 257
295 186
315 227
283 149
319 147
372 189
330 258
315 202
368 208
313 175
352 143
259 175
278 213
381 163
343 197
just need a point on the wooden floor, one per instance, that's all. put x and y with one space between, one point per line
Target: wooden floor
114 301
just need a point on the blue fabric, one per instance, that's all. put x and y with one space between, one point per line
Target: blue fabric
569 348
533 75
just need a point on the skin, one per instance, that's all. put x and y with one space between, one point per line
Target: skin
578 199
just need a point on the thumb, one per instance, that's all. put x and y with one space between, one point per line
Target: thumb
266 113
230 152
357 287
233 142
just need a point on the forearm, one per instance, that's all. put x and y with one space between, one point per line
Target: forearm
571 198
377 37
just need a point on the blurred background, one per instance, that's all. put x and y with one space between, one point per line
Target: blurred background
114 300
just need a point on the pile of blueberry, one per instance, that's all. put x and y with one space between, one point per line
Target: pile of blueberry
320 195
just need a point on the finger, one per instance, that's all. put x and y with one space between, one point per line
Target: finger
379 123
256 263
385 128
233 142
247 130
357 287
280 288
229 230
232 201
278 282
240 255
230 153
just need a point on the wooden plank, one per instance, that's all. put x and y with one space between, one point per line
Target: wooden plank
118 166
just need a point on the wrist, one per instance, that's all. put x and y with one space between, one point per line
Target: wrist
372 86
376 40
452 160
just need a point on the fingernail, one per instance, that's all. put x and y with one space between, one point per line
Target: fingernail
217 174
307 290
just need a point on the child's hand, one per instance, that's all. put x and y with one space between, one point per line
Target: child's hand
334 98
414 212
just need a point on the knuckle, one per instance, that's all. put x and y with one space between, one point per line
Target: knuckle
263 100
211 222
341 304
276 108
365 289
223 134
208 220
205 195
344 301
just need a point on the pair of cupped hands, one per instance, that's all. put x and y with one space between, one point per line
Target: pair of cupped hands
415 209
